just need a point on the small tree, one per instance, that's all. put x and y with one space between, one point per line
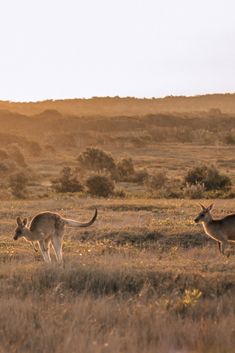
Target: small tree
125 168
96 160
100 185
67 182
208 176
18 183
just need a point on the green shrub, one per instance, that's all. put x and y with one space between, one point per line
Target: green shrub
209 176
125 168
125 171
97 160
67 182
100 185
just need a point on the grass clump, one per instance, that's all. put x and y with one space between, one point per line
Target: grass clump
193 191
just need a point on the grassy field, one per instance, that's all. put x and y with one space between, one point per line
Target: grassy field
143 278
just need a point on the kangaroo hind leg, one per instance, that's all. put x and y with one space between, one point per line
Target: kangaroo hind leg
57 246
44 246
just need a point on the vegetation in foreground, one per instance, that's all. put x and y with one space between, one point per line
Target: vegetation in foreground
144 278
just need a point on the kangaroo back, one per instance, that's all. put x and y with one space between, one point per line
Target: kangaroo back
45 220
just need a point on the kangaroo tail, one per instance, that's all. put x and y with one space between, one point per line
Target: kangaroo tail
73 223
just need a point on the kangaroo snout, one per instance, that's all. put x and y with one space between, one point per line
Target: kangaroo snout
15 237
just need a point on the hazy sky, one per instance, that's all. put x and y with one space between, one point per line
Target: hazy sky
82 48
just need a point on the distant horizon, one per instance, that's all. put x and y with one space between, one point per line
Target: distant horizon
121 97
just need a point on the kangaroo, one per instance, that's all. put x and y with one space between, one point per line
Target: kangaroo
221 230
47 228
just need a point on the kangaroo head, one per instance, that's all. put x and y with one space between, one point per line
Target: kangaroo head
20 229
204 215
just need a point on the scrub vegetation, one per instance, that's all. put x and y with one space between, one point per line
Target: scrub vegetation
144 277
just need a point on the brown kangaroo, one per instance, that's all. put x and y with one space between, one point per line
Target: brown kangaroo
222 230
48 228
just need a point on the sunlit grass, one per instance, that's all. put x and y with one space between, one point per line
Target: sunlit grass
142 279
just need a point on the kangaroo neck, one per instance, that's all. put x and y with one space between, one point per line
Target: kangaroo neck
28 234
206 224
208 219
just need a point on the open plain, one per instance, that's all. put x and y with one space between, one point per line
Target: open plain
144 277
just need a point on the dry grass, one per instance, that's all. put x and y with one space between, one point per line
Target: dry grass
144 278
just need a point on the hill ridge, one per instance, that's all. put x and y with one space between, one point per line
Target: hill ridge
128 106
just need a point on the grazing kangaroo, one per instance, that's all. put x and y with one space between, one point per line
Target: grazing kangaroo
47 228
222 230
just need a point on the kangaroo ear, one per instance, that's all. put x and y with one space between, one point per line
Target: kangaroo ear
209 208
18 220
202 207
25 221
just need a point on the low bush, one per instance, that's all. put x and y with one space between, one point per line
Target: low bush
208 176
67 182
97 160
100 185
125 169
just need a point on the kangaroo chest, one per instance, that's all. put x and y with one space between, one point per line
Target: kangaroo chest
213 231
